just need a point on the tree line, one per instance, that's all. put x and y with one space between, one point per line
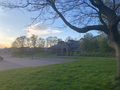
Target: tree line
90 43
34 44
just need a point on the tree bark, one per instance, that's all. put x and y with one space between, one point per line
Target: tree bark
118 59
117 49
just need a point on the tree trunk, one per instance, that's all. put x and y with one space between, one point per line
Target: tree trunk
117 49
118 59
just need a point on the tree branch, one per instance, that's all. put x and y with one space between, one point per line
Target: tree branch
12 6
91 6
117 7
81 30
105 10
113 4
101 20
93 3
119 18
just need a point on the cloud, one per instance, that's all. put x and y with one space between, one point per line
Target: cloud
56 31
8 30
39 29
11 38
38 26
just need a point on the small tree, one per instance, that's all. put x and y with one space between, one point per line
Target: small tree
68 38
40 44
21 41
20 44
14 47
33 39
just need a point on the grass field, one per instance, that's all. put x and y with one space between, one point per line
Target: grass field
83 74
75 56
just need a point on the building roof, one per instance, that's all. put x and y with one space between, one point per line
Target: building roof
58 46
70 44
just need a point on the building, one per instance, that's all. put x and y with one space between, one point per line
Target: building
65 47
5 50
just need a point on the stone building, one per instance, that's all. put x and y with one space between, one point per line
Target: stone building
65 47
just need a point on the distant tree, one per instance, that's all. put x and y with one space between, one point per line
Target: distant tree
14 47
94 44
89 43
75 39
20 44
28 42
33 39
104 47
85 42
54 40
47 42
84 45
51 41
68 38
59 39
40 44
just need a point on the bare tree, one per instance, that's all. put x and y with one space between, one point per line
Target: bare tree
28 43
68 38
59 39
51 41
14 47
33 39
20 44
41 43
80 15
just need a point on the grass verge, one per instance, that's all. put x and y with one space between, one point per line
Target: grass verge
83 74
112 55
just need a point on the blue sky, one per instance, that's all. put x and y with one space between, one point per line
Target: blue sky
14 23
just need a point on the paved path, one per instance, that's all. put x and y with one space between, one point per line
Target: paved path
11 63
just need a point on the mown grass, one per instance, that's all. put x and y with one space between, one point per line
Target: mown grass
74 56
83 74
37 55
112 55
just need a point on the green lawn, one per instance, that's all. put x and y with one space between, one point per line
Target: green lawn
83 74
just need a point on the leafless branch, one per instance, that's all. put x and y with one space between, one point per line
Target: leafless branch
36 17
113 4
101 20
104 9
117 7
91 6
81 30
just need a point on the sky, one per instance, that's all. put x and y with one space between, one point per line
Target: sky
15 23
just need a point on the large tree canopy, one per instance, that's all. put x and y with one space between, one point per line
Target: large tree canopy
79 15
74 13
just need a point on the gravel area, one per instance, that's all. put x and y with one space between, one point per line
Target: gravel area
11 63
